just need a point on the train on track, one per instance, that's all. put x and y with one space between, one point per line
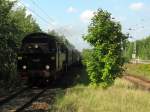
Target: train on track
42 58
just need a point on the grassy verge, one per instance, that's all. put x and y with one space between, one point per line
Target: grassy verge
121 97
138 69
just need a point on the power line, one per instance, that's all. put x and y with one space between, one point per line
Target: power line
43 19
36 4
41 9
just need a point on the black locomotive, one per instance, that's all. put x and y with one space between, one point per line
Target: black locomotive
42 57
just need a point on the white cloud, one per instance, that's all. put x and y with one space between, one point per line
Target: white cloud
137 6
86 15
71 10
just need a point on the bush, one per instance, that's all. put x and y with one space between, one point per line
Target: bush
104 62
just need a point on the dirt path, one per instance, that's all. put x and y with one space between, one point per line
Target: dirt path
138 81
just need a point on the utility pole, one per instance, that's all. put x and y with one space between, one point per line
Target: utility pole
134 49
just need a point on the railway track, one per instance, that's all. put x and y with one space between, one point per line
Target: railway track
13 95
36 99
21 100
138 81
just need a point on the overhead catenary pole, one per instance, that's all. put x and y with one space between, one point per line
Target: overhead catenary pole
134 55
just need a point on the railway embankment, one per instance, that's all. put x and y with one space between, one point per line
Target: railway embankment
139 81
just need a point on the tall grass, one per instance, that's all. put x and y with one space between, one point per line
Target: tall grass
121 97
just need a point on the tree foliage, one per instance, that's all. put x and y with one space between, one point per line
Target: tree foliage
142 49
128 51
105 61
14 25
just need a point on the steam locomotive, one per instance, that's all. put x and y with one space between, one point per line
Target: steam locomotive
42 58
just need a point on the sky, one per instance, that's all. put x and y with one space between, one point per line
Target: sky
72 17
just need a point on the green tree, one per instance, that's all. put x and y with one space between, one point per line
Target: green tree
143 47
22 24
6 39
107 40
14 25
86 55
128 50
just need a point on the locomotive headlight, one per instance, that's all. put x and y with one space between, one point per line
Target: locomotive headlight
47 67
24 67
36 46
